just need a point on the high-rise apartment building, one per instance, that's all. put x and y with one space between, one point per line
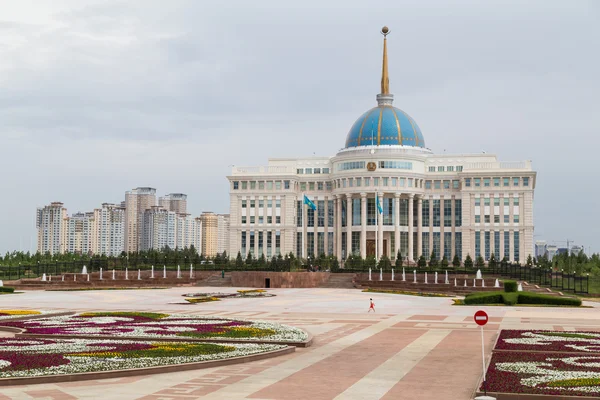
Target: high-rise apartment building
158 229
176 202
210 233
109 230
51 226
80 235
223 234
136 202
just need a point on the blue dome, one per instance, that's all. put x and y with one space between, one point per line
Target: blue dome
385 125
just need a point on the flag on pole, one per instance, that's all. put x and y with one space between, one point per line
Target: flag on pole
379 207
309 203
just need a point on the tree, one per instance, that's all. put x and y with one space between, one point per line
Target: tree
398 262
385 263
249 258
432 260
492 261
262 261
239 262
370 262
422 263
456 261
529 261
479 262
468 262
445 262
334 264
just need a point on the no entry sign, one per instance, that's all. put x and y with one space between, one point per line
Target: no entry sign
481 318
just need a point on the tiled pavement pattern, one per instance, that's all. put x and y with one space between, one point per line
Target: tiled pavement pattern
412 348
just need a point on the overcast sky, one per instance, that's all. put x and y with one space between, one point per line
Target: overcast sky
99 97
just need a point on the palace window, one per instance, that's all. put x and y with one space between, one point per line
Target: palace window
477 182
455 184
477 219
515 181
236 185
496 182
467 182
277 185
308 170
458 212
496 201
278 219
243 203
450 168
269 185
261 185
244 185
431 169
428 185
486 182
505 181
525 181
286 184
440 169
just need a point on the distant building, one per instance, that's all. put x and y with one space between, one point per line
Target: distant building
576 250
210 233
541 248
80 233
158 229
552 251
51 228
136 202
176 202
109 230
223 234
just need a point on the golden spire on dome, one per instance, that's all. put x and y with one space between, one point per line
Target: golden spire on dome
385 80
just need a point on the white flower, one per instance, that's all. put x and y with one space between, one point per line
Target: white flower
4 363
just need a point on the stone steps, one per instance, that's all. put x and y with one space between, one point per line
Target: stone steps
339 281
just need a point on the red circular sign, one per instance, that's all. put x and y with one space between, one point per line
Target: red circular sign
481 317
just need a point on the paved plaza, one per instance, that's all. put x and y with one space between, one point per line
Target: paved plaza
411 348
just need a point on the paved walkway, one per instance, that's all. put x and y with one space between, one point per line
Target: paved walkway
412 348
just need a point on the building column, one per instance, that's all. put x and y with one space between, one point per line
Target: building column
316 230
338 229
430 212
348 224
411 198
363 225
502 255
326 227
304 225
442 215
420 226
453 228
380 228
397 223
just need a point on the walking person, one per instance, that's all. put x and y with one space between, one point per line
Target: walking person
372 306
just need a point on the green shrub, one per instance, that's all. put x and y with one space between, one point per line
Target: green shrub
6 289
538 298
510 299
484 298
510 286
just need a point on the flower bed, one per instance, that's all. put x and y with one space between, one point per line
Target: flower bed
549 341
9 314
201 299
28 357
557 374
153 325
239 295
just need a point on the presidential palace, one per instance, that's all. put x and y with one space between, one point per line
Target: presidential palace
442 204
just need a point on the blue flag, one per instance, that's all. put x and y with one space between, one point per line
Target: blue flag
379 207
309 203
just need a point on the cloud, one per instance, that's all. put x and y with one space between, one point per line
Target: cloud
98 97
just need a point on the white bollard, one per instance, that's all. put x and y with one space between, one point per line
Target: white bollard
455 282
113 278
474 281
380 274
63 278
447 282
426 278
164 272
415 276
126 274
139 275
436 277
497 284
88 277
191 271
483 283
74 277
369 273
392 273
403 275
152 273
465 283
100 273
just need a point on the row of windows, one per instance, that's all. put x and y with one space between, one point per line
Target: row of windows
487 245
450 168
261 203
310 214
366 182
438 184
308 171
486 219
488 182
487 200
261 241
345 166
435 211
312 186
261 219
437 248
395 164
310 244
262 185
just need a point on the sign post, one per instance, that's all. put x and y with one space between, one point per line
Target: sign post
481 318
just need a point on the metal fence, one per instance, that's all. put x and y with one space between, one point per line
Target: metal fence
534 275
76 267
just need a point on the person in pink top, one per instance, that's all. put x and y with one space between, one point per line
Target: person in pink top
372 306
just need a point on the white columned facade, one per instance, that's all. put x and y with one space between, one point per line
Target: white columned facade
411 198
338 229
348 225
363 225
380 228
396 224
420 226
304 225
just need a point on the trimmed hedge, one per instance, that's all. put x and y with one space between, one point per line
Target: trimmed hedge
484 298
6 289
511 299
538 298
510 286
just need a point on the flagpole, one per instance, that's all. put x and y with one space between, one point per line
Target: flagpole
303 222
